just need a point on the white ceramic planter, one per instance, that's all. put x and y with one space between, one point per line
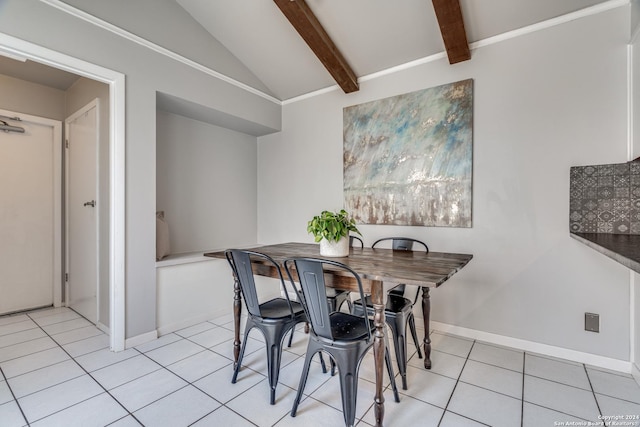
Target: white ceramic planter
334 249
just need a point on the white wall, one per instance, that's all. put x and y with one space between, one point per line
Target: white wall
192 40
192 293
205 184
635 15
543 102
31 98
147 72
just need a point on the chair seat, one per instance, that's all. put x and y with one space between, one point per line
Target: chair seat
347 327
278 308
395 303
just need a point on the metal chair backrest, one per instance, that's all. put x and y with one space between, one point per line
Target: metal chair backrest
402 244
353 239
240 262
310 273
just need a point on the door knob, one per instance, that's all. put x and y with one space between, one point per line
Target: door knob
91 203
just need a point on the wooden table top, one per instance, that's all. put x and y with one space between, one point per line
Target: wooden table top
410 267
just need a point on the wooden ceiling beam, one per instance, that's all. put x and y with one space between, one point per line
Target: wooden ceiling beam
307 25
451 24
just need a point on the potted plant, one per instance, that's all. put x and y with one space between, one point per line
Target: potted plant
332 229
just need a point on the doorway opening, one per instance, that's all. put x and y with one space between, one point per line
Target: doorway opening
16 48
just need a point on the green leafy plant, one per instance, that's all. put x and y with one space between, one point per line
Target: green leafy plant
332 225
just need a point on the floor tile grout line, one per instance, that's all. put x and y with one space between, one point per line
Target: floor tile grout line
122 418
554 359
558 411
554 409
495 366
189 383
88 338
56 345
24 416
64 409
595 398
78 340
227 408
87 373
8 316
21 342
32 311
92 351
559 382
38 320
131 380
44 367
491 390
296 356
524 367
610 372
35 325
70 330
616 398
456 384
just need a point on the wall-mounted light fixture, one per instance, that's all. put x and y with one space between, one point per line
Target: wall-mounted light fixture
9 128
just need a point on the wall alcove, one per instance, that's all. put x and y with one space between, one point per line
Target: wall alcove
206 175
206 185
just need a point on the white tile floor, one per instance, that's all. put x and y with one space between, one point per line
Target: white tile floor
56 370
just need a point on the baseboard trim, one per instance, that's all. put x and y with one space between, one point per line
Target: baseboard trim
140 339
635 371
534 347
104 328
192 321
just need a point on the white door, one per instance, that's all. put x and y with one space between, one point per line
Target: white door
82 213
30 213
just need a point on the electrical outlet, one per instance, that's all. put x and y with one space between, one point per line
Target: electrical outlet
592 322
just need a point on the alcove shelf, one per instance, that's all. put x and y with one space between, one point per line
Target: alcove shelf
623 248
605 210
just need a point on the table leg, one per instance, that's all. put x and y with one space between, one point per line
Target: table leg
237 311
426 313
377 297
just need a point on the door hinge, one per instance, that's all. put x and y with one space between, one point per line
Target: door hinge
66 277
66 143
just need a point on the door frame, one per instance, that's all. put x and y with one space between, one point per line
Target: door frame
83 110
17 48
56 125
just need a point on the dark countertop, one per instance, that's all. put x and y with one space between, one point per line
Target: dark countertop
623 248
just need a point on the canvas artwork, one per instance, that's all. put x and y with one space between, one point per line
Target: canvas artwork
408 158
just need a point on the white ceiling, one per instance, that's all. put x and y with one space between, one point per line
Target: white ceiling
373 35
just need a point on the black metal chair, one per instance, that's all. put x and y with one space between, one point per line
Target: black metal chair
274 318
337 297
353 239
398 310
345 337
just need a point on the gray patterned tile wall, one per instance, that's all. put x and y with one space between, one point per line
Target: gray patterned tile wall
605 199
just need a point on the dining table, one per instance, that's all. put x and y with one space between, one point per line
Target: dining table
375 267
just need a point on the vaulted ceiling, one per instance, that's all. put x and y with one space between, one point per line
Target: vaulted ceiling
371 36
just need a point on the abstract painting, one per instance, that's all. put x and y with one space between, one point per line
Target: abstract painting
408 158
